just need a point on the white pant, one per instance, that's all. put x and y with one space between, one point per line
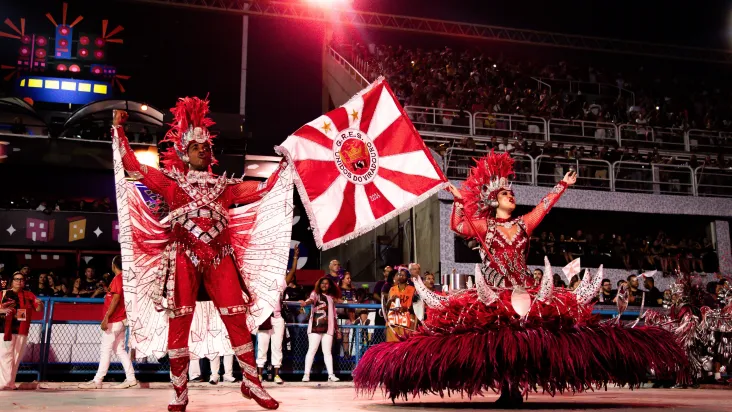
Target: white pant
113 340
11 353
326 342
275 336
228 368
194 369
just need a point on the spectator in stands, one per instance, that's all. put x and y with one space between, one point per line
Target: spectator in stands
85 286
100 291
380 285
538 274
654 297
56 290
574 283
17 306
607 294
558 282
113 334
3 283
635 295
322 325
25 271
334 271
505 146
399 304
347 316
41 287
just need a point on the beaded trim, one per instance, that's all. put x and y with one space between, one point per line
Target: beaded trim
255 389
233 310
248 369
178 353
245 348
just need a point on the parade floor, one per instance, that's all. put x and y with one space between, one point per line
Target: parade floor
325 397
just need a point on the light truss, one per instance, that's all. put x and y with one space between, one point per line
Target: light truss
300 9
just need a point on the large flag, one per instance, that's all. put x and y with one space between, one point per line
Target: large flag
360 165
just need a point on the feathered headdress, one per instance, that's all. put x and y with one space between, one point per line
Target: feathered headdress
485 180
189 125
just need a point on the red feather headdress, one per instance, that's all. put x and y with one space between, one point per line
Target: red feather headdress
489 175
189 125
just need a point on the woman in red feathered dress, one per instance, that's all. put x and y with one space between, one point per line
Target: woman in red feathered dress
508 334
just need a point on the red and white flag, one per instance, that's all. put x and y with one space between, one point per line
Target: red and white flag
360 165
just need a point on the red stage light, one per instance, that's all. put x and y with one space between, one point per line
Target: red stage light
97 70
83 52
99 54
64 30
99 42
61 67
24 50
74 68
84 40
63 42
40 53
25 39
41 41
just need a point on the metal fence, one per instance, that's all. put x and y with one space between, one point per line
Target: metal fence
432 119
57 348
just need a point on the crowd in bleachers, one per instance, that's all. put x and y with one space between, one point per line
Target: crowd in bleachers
476 81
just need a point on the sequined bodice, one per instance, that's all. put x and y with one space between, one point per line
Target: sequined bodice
507 242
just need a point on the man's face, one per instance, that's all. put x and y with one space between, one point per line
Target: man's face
537 274
89 273
334 266
199 155
387 270
429 281
415 270
607 286
648 282
633 282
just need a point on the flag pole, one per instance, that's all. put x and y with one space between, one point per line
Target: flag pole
414 235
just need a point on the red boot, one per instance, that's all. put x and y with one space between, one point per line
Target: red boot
179 361
251 387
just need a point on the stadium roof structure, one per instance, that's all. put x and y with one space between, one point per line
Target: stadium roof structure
138 112
307 11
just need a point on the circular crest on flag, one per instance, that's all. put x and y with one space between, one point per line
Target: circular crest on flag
356 156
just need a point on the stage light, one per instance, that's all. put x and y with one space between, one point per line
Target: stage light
63 42
61 67
494 66
64 30
658 108
97 70
143 107
24 50
74 68
41 41
25 39
330 3
99 42
83 53
40 53
98 54
84 40
148 156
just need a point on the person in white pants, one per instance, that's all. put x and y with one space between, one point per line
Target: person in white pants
17 310
228 369
275 334
113 334
322 325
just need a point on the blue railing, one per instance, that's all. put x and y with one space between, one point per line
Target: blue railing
78 346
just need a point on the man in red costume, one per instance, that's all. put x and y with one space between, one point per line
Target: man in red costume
200 250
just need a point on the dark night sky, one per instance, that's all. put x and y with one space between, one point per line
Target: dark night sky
172 52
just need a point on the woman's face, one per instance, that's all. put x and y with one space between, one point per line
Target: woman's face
347 279
42 278
506 201
401 277
324 286
51 282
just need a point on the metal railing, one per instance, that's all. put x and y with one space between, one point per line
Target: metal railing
592 88
353 71
713 181
459 160
433 119
709 141
653 178
508 125
59 348
592 173
581 131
